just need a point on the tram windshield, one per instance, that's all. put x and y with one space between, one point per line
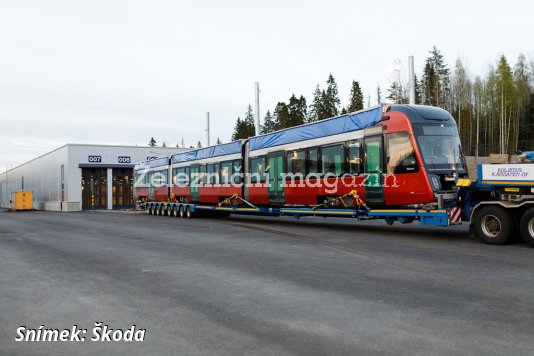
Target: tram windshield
440 147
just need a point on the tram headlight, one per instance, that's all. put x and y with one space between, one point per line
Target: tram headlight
434 180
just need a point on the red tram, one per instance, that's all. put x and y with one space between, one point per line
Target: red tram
406 155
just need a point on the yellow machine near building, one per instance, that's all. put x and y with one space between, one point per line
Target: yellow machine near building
21 201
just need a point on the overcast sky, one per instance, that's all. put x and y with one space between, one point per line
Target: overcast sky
120 72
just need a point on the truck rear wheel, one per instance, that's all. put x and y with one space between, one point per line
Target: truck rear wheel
494 225
526 227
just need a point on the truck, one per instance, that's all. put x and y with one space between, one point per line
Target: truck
400 163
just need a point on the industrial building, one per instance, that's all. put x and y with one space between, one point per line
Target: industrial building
67 179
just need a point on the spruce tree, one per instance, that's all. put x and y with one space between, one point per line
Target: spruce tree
436 83
317 107
356 97
296 110
219 142
332 102
268 123
281 114
378 94
199 144
418 90
397 93
238 130
429 84
249 122
152 142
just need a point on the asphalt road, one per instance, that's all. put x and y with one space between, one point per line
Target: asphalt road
261 286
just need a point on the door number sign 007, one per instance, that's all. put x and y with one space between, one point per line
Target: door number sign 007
95 159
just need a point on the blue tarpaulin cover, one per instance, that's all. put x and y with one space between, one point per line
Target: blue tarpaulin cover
158 162
328 127
208 152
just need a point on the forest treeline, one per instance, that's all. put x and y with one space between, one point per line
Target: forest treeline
494 110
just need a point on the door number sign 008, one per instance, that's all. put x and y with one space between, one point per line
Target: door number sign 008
125 159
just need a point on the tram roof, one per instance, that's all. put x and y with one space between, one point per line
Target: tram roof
350 122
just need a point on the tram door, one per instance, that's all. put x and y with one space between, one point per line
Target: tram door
194 181
373 168
276 175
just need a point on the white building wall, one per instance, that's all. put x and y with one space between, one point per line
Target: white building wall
42 175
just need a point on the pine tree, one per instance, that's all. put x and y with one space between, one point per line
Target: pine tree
268 123
461 104
356 98
163 144
219 142
199 144
505 102
525 103
152 142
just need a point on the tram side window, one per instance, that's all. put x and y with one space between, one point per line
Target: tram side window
296 162
203 172
194 176
333 159
313 161
226 172
180 176
165 179
257 169
213 173
174 176
400 154
354 157
237 170
159 178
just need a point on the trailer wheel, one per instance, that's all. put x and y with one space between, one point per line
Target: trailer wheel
149 209
526 227
181 212
494 225
188 213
